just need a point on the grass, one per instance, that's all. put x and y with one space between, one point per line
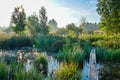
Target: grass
3 71
107 55
67 71
74 54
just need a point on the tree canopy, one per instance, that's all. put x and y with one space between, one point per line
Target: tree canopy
18 19
110 15
43 21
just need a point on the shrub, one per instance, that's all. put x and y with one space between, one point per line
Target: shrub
3 71
41 63
16 42
49 43
67 71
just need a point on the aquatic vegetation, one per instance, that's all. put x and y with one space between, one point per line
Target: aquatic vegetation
3 71
107 55
67 71
41 63
74 54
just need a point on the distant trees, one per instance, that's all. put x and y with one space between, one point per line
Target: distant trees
82 20
74 28
53 25
88 27
38 25
110 15
18 19
33 24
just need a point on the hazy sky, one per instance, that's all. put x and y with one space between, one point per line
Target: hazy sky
63 11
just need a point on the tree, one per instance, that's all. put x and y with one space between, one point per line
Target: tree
43 21
110 15
89 27
82 20
18 20
74 28
53 25
33 24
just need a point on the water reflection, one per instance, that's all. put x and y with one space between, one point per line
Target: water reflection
85 70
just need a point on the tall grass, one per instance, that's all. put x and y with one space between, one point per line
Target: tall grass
74 54
3 71
67 71
107 55
18 72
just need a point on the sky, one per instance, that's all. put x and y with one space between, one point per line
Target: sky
63 11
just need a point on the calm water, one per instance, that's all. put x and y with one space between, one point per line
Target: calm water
86 69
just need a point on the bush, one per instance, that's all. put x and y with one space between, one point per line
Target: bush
41 63
16 42
3 71
67 71
49 43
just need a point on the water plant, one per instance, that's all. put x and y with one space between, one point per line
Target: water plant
74 54
3 71
41 63
67 71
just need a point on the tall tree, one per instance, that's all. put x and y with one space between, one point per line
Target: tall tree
43 21
110 15
18 19
33 24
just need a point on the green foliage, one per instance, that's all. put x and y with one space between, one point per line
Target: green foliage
31 75
74 28
49 43
41 63
15 42
3 71
18 72
43 21
74 54
110 15
53 25
67 71
33 24
18 20
89 27
86 47
21 75
108 55
34 75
